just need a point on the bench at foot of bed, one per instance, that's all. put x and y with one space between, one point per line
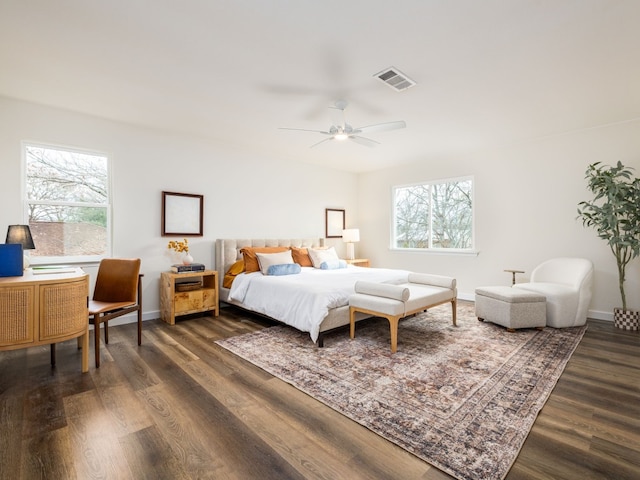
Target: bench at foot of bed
394 302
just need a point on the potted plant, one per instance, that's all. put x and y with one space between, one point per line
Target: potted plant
615 214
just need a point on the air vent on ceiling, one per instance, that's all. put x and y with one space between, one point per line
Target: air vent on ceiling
395 79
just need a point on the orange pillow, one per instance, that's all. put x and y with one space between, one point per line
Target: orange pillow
251 260
234 270
301 257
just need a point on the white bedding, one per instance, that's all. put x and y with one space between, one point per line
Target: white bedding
303 300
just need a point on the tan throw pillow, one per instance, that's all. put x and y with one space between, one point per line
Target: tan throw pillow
235 269
251 260
301 256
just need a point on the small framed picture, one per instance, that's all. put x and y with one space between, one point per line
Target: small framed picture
334 222
182 214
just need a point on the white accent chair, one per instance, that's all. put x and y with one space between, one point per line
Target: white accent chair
566 283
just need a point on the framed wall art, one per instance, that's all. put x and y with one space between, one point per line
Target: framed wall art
182 214
334 222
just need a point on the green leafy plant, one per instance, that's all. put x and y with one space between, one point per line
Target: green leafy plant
614 213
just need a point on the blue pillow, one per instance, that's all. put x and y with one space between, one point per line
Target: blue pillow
284 269
333 264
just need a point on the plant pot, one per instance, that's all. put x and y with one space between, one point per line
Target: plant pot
626 319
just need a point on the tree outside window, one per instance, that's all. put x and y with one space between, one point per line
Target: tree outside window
435 215
67 201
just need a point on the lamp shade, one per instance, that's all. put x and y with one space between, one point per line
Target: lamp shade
20 234
351 235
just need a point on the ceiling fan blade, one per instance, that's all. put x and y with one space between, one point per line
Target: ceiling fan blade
305 130
382 127
367 142
321 141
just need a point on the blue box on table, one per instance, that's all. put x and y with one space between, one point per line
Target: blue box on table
11 260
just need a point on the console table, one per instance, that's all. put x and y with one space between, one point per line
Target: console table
45 308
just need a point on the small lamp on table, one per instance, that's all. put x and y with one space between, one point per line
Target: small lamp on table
21 234
351 236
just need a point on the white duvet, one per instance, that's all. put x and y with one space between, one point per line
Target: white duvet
304 300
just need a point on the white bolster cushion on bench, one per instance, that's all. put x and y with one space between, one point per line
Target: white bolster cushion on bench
387 290
435 280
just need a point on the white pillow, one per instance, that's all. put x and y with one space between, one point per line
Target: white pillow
265 260
324 255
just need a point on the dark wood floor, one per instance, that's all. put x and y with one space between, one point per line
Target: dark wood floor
181 407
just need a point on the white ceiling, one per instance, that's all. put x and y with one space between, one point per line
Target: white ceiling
488 73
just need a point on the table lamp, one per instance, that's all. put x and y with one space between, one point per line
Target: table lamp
350 236
21 234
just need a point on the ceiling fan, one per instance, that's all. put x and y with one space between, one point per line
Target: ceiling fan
341 130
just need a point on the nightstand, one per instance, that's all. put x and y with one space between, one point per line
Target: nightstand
175 301
359 262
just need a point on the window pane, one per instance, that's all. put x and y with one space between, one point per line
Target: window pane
434 215
67 201
452 219
65 176
412 216
84 232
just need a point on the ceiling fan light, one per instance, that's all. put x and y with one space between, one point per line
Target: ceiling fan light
341 136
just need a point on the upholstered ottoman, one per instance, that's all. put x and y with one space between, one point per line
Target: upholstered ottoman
511 308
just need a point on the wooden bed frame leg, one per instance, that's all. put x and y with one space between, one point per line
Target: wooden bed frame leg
352 323
320 340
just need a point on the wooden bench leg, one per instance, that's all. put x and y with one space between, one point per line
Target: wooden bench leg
454 308
393 327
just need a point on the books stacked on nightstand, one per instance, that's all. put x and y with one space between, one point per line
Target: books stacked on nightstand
193 267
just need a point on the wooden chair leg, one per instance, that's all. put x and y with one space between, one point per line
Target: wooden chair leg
139 301
106 333
53 354
96 336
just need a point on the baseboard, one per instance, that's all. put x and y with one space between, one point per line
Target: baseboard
596 315
467 296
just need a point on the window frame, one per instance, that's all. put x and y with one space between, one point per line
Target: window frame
437 250
69 259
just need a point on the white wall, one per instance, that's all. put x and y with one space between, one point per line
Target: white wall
526 197
526 200
244 196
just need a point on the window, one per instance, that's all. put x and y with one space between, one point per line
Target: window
67 200
435 215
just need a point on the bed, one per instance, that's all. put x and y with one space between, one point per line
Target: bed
313 301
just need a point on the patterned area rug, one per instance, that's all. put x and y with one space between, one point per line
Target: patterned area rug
461 398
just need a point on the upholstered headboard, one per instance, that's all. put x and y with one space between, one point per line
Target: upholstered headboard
228 249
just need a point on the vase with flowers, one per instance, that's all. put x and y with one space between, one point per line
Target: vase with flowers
182 250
